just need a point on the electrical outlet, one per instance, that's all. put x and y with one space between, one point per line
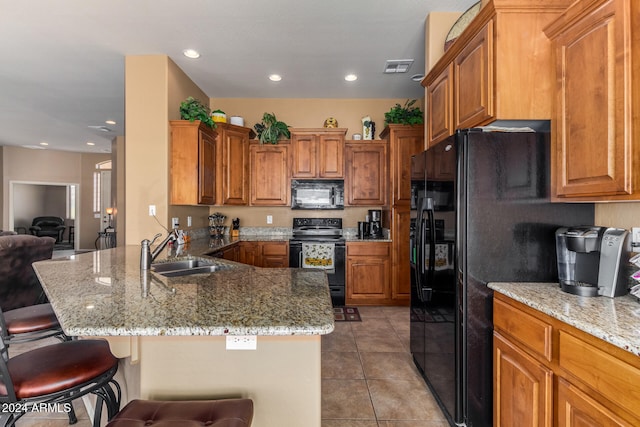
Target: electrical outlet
269 219
188 221
152 210
635 235
175 222
242 342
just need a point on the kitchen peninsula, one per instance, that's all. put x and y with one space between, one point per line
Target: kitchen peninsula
170 332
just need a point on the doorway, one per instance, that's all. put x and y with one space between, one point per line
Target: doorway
31 199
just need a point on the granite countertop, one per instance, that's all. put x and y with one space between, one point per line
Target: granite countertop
614 320
104 293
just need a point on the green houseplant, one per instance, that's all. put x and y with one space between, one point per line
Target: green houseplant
404 115
191 109
271 129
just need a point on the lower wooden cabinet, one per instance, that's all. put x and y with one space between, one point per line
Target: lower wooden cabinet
232 253
401 272
274 254
368 280
523 387
548 373
265 254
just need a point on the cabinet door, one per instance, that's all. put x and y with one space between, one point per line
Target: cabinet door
444 163
522 387
440 107
404 142
270 184
593 138
401 271
366 177
304 148
331 156
275 254
577 409
234 145
473 77
207 169
232 253
368 278
249 253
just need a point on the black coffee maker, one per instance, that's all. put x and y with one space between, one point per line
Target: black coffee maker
375 224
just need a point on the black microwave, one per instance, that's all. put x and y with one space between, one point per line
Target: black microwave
317 194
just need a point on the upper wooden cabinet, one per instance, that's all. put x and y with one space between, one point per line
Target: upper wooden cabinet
317 153
192 163
232 174
442 165
495 70
595 143
439 96
270 184
366 177
404 141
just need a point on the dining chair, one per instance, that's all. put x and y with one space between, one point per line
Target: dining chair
54 375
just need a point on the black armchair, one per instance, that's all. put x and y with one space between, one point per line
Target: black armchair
51 226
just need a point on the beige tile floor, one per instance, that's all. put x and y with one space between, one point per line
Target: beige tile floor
368 377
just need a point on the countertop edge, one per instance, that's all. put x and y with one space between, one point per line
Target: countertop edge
586 314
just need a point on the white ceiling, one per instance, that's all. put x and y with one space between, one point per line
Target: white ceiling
62 62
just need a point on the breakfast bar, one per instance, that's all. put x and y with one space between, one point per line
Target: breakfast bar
175 335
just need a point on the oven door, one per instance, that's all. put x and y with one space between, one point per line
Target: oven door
335 276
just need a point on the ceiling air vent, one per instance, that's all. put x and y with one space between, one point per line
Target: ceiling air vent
397 66
100 128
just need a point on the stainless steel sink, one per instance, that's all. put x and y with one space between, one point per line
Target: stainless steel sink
183 267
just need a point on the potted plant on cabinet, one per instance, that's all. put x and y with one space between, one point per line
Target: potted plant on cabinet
404 115
271 129
191 109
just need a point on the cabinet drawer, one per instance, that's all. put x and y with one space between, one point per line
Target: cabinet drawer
532 333
615 379
279 248
368 249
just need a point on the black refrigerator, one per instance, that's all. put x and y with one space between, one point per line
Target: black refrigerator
480 213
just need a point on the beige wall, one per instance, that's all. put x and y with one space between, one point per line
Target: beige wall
55 167
621 215
310 113
436 27
154 88
118 188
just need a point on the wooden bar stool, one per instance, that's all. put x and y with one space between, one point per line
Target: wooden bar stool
191 413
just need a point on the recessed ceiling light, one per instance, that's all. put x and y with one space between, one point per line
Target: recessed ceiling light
275 77
91 143
110 122
417 77
191 53
351 77
44 143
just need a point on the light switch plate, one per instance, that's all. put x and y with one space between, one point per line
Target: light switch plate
242 342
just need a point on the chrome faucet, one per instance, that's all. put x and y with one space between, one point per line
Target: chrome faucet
147 256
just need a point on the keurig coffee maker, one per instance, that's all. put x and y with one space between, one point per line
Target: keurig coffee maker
592 260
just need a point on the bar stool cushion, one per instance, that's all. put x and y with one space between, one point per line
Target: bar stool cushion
214 413
54 368
33 318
